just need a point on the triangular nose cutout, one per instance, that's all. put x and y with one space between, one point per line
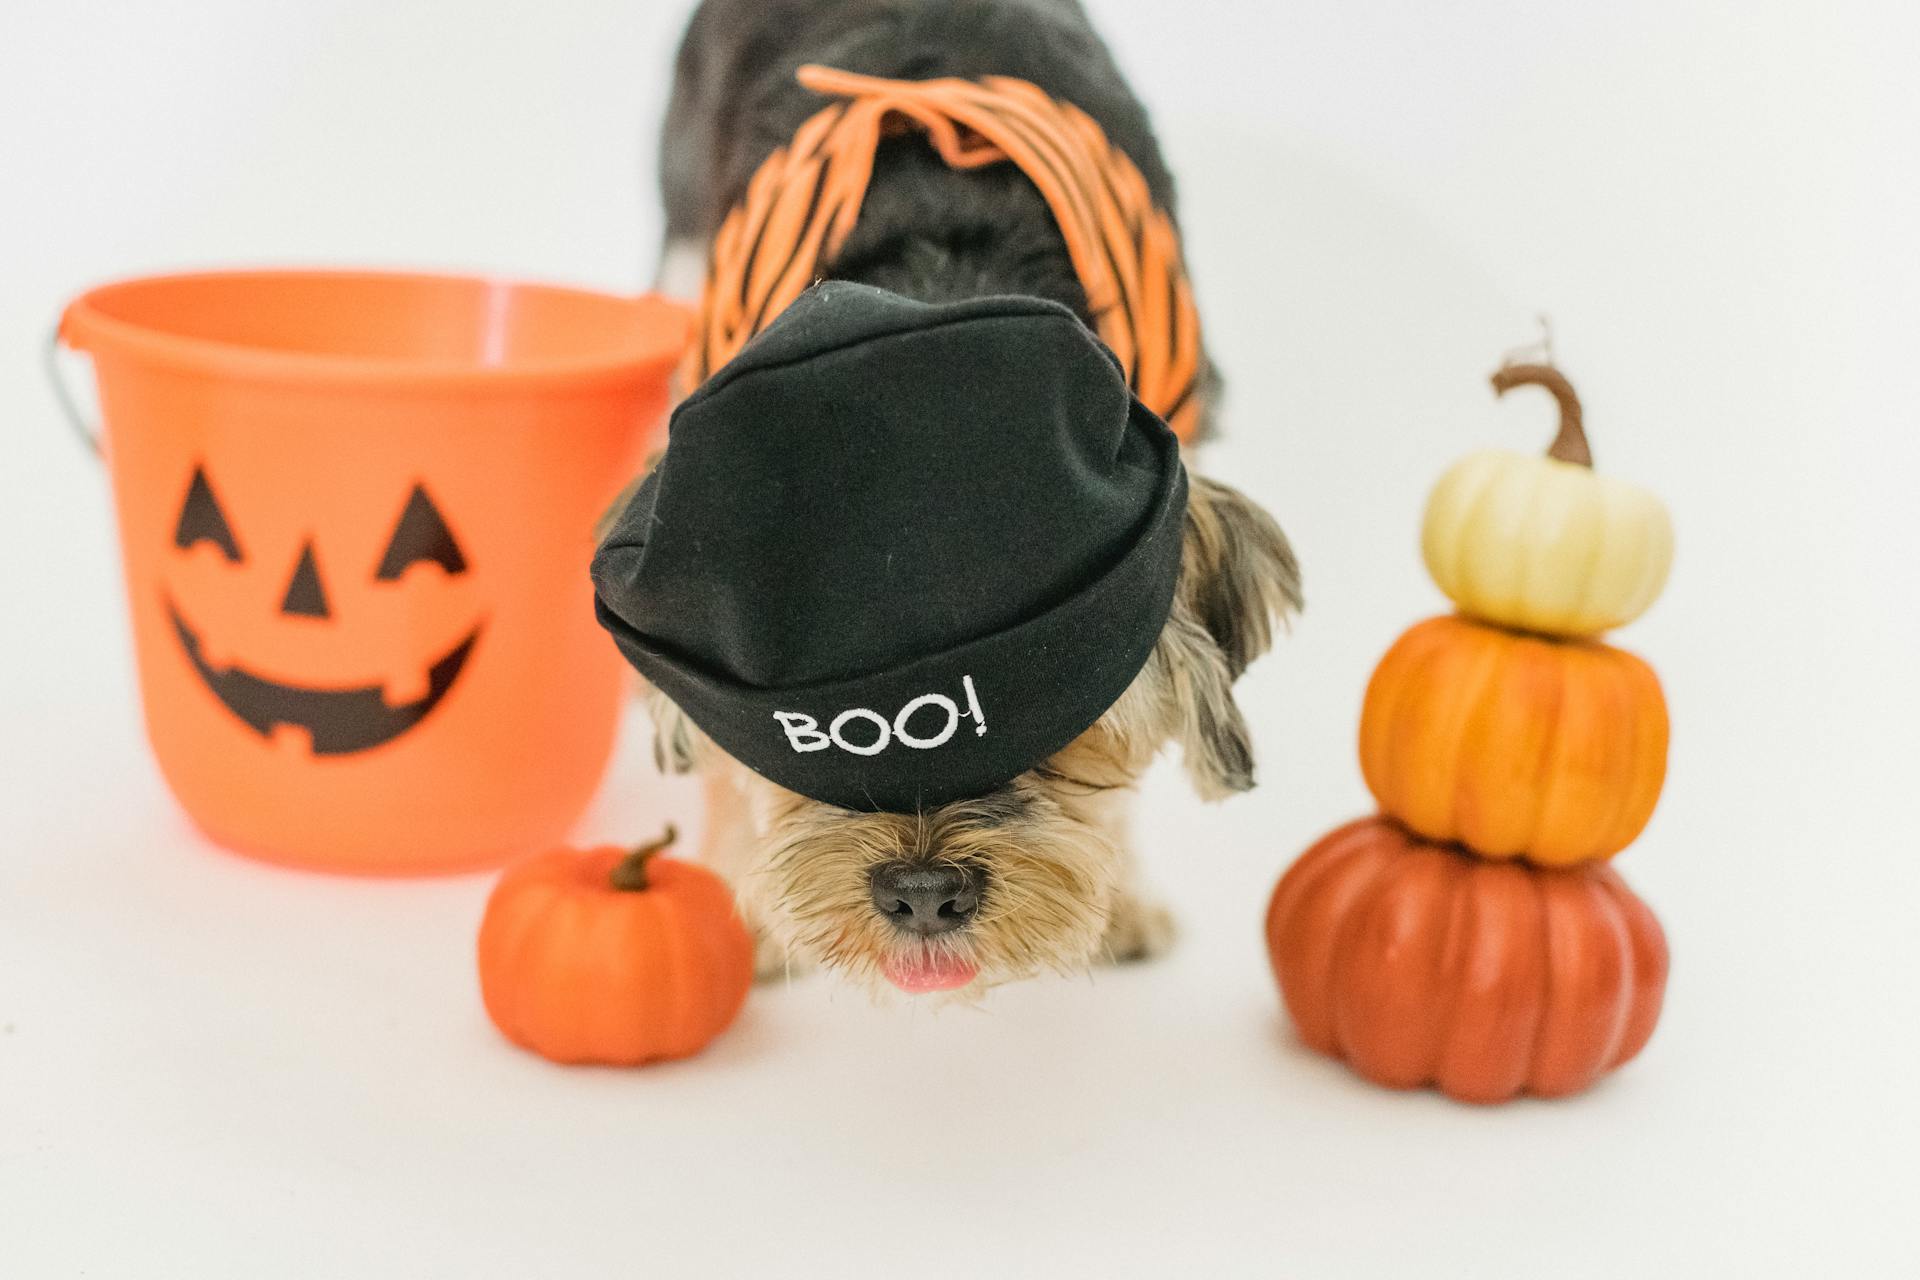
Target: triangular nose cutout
305 596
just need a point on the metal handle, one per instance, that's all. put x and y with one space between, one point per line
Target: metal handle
69 407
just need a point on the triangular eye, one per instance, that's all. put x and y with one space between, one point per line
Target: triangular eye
201 520
420 535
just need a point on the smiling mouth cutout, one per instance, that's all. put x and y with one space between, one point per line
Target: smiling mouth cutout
337 721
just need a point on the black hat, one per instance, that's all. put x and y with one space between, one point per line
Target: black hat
895 553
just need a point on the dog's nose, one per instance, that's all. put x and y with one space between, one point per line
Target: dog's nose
926 898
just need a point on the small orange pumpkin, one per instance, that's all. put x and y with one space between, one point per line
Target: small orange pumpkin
611 956
1421 964
1514 744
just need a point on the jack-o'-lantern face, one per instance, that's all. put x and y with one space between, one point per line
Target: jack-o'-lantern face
336 716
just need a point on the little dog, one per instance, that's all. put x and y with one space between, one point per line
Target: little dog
1022 863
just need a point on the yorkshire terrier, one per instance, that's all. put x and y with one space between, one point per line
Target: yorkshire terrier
1038 874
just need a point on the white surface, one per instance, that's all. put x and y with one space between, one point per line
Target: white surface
210 1068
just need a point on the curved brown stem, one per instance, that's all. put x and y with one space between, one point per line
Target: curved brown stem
1571 444
630 873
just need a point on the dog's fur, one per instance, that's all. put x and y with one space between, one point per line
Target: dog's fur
1052 843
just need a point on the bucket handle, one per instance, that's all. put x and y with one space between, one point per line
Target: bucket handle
69 406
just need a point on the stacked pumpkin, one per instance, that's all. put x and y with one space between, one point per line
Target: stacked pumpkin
1471 935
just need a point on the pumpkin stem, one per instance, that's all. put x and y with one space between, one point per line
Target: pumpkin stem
630 873
1571 444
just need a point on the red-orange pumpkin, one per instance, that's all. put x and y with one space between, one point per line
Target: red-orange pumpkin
612 956
1514 744
1419 964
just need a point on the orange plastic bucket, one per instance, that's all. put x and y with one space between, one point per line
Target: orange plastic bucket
356 512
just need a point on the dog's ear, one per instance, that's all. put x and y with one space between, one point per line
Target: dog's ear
1238 571
1238 577
1196 698
673 750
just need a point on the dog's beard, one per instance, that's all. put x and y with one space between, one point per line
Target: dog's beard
1048 871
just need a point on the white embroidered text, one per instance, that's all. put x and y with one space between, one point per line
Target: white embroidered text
928 721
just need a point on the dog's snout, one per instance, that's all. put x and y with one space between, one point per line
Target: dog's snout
926 898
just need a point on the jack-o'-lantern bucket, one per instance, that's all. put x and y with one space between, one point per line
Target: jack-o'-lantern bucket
356 511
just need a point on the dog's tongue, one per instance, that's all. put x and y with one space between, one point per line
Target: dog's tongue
918 974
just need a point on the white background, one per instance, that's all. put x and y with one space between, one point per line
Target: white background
210 1068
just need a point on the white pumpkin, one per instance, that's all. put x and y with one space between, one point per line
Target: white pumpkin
1546 544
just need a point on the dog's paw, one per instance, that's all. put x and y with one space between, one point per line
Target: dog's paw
773 962
1139 929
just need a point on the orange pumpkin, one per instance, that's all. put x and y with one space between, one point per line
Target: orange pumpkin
612 956
1514 744
1421 964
